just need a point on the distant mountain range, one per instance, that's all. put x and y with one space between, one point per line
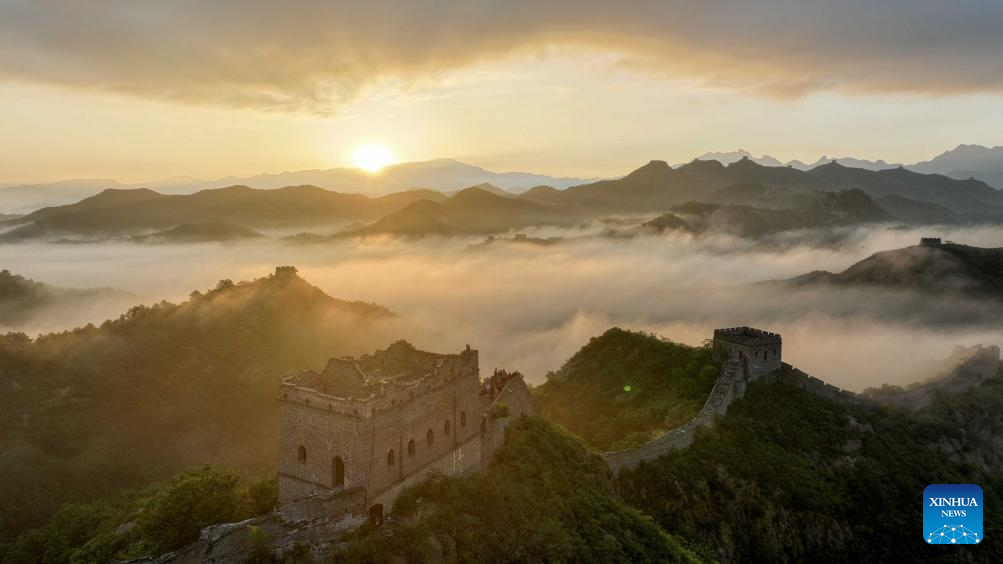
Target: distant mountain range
967 161
827 195
449 176
729 157
445 175
823 210
962 162
139 211
657 186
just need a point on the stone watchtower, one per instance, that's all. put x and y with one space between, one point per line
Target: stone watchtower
357 433
760 349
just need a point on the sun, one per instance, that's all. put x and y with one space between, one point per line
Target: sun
372 157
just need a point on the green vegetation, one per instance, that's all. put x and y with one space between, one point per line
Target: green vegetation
623 388
89 412
499 410
785 476
789 477
547 500
145 522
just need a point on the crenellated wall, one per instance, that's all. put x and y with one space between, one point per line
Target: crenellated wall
792 376
747 355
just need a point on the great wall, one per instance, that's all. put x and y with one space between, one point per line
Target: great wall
348 434
353 436
747 355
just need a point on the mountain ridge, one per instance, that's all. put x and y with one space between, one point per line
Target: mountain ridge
946 269
443 175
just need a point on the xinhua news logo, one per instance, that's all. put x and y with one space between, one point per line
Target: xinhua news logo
952 514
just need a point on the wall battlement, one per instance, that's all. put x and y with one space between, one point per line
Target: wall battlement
747 336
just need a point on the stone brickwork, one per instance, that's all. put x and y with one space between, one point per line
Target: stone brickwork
761 350
383 422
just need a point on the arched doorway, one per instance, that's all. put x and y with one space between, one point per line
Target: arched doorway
337 472
376 514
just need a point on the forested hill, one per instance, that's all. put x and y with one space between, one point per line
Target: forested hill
21 298
786 476
624 388
958 270
163 387
789 477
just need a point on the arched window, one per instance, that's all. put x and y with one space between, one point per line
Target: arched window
391 458
447 427
337 472
430 436
301 453
410 447
463 419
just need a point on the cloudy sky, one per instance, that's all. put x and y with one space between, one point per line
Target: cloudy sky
142 89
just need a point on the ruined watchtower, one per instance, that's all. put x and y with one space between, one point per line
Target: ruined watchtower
354 435
760 349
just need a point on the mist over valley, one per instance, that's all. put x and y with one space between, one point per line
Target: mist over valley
342 282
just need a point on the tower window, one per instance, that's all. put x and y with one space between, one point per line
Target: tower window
301 453
410 447
447 427
391 458
463 419
337 472
430 437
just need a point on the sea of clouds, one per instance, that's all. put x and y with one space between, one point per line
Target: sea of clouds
530 307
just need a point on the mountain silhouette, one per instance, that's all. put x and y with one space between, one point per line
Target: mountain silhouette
967 161
470 211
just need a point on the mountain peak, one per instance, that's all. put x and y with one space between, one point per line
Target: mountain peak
703 165
654 167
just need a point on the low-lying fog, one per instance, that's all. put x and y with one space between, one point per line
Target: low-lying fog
529 306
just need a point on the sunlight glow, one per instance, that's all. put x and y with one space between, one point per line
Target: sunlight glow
372 157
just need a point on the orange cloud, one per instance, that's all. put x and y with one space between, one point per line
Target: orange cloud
313 55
